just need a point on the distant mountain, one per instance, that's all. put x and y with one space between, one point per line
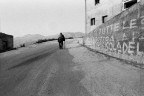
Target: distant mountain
73 34
30 39
67 35
27 39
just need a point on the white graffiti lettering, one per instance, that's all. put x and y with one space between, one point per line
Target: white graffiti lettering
133 23
131 47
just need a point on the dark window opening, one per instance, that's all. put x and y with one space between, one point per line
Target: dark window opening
92 21
129 4
96 1
104 18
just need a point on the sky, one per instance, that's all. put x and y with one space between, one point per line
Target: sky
45 17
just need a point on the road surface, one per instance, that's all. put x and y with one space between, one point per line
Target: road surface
45 70
40 71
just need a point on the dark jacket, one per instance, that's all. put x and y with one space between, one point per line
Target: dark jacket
61 38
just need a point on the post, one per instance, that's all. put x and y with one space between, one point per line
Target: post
84 38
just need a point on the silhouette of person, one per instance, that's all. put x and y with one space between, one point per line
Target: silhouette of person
61 39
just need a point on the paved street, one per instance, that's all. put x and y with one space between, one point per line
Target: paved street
45 70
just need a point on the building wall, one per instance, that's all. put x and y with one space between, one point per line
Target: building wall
105 7
10 41
1 48
6 42
122 36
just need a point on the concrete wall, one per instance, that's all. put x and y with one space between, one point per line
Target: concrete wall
6 42
122 36
105 7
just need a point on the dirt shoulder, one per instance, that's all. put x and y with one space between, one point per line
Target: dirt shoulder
107 76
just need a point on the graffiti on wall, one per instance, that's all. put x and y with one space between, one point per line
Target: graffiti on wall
123 34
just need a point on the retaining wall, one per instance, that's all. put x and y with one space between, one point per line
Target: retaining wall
122 36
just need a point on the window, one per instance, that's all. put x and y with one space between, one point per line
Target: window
92 21
96 1
129 3
104 18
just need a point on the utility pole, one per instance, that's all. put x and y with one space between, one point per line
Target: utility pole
85 17
85 23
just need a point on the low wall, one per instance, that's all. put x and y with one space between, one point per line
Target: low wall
122 36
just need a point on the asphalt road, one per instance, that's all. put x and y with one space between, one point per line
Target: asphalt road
40 70
45 70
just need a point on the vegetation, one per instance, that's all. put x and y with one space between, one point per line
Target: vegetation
22 45
46 40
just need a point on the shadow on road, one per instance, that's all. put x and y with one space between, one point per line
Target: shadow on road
33 59
67 80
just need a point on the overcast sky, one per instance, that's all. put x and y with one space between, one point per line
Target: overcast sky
45 17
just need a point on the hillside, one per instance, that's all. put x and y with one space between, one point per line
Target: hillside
27 39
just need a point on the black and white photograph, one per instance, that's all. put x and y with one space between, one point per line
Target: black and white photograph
71 47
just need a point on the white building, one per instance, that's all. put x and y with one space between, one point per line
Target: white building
99 11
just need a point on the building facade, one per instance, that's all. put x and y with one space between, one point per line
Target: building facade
100 11
116 28
6 42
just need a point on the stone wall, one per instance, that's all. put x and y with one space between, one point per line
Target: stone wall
6 42
122 36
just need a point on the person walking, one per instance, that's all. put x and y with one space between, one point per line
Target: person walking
61 40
